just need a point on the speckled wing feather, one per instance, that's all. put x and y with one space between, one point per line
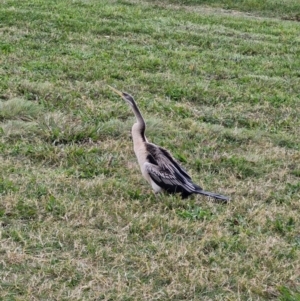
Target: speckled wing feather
163 158
169 179
166 172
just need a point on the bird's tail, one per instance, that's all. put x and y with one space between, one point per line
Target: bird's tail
213 195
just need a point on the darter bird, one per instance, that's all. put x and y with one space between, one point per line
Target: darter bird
157 165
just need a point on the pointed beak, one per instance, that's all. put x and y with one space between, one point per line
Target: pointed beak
116 91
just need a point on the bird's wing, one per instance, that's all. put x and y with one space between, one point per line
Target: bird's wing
174 162
164 159
170 179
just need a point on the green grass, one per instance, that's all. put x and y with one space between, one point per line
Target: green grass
287 9
218 83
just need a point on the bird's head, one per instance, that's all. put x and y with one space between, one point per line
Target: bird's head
127 97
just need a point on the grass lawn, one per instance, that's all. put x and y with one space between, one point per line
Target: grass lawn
218 83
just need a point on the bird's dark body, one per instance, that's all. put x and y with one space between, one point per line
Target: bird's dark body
169 175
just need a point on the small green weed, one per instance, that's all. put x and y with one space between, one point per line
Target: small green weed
195 213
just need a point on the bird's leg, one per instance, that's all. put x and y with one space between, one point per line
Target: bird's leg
184 195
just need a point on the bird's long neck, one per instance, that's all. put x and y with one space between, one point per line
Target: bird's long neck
138 129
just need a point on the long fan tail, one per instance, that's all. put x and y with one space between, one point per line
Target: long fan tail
213 195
